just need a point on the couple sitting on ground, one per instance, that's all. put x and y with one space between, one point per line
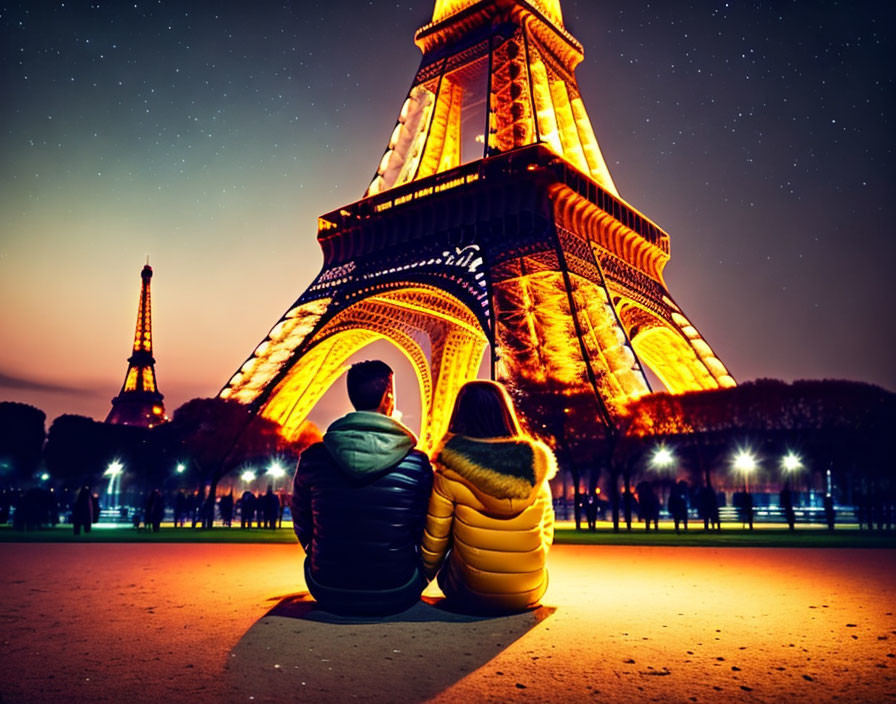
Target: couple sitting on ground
377 524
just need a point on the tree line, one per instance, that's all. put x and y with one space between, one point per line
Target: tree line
208 438
835 426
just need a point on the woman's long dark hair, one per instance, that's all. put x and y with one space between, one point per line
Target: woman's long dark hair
483 409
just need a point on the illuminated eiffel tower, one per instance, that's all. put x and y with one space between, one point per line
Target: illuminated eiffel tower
139 402
492 223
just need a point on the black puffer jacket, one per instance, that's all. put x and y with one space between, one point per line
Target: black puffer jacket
359 504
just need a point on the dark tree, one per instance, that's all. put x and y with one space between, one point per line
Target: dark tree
841 426
216 436
77 450
22 436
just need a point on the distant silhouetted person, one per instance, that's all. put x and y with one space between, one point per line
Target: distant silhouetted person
830 515
708 506
786 501
147 509
678 505
259 510
628 505
225 508
359 504
155 510
591 505
271 507
207 513
82 511
490 522
648 505
283 499
247 509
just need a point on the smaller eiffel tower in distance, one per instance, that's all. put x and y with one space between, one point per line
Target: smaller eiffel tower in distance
139 402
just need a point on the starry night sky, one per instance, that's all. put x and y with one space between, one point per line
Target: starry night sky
210 135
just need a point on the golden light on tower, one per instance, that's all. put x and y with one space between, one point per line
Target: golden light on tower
139 401
491 224
532 97
446 8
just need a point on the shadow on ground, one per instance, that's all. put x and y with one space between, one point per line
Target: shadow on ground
299 652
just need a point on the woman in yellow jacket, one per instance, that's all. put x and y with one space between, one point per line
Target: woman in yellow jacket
490 516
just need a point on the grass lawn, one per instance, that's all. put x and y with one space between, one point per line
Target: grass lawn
168 534
732 535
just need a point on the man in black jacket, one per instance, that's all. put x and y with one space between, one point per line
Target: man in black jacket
359 504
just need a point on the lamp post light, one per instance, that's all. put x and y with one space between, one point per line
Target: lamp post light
662 458
791 462
114 472
181 468
745 463
248 476
276 471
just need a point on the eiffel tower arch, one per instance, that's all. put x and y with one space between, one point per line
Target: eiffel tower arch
526 251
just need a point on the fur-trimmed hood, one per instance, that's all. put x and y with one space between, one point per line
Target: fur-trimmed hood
505 474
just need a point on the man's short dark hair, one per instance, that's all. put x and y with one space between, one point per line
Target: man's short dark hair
367 383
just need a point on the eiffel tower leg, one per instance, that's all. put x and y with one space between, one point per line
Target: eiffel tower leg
674 351
456 358
558 334
290 333
308 379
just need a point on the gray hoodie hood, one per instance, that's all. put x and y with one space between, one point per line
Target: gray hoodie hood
365 442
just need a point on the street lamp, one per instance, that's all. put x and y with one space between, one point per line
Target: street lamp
181 468
745 463
276 471
248 476
791 462
114 472
662 457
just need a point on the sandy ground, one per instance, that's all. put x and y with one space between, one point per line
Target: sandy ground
231 623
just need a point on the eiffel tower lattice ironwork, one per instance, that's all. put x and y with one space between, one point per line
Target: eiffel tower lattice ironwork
139 402
528 250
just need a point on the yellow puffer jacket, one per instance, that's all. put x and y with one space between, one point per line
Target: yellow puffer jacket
491 512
